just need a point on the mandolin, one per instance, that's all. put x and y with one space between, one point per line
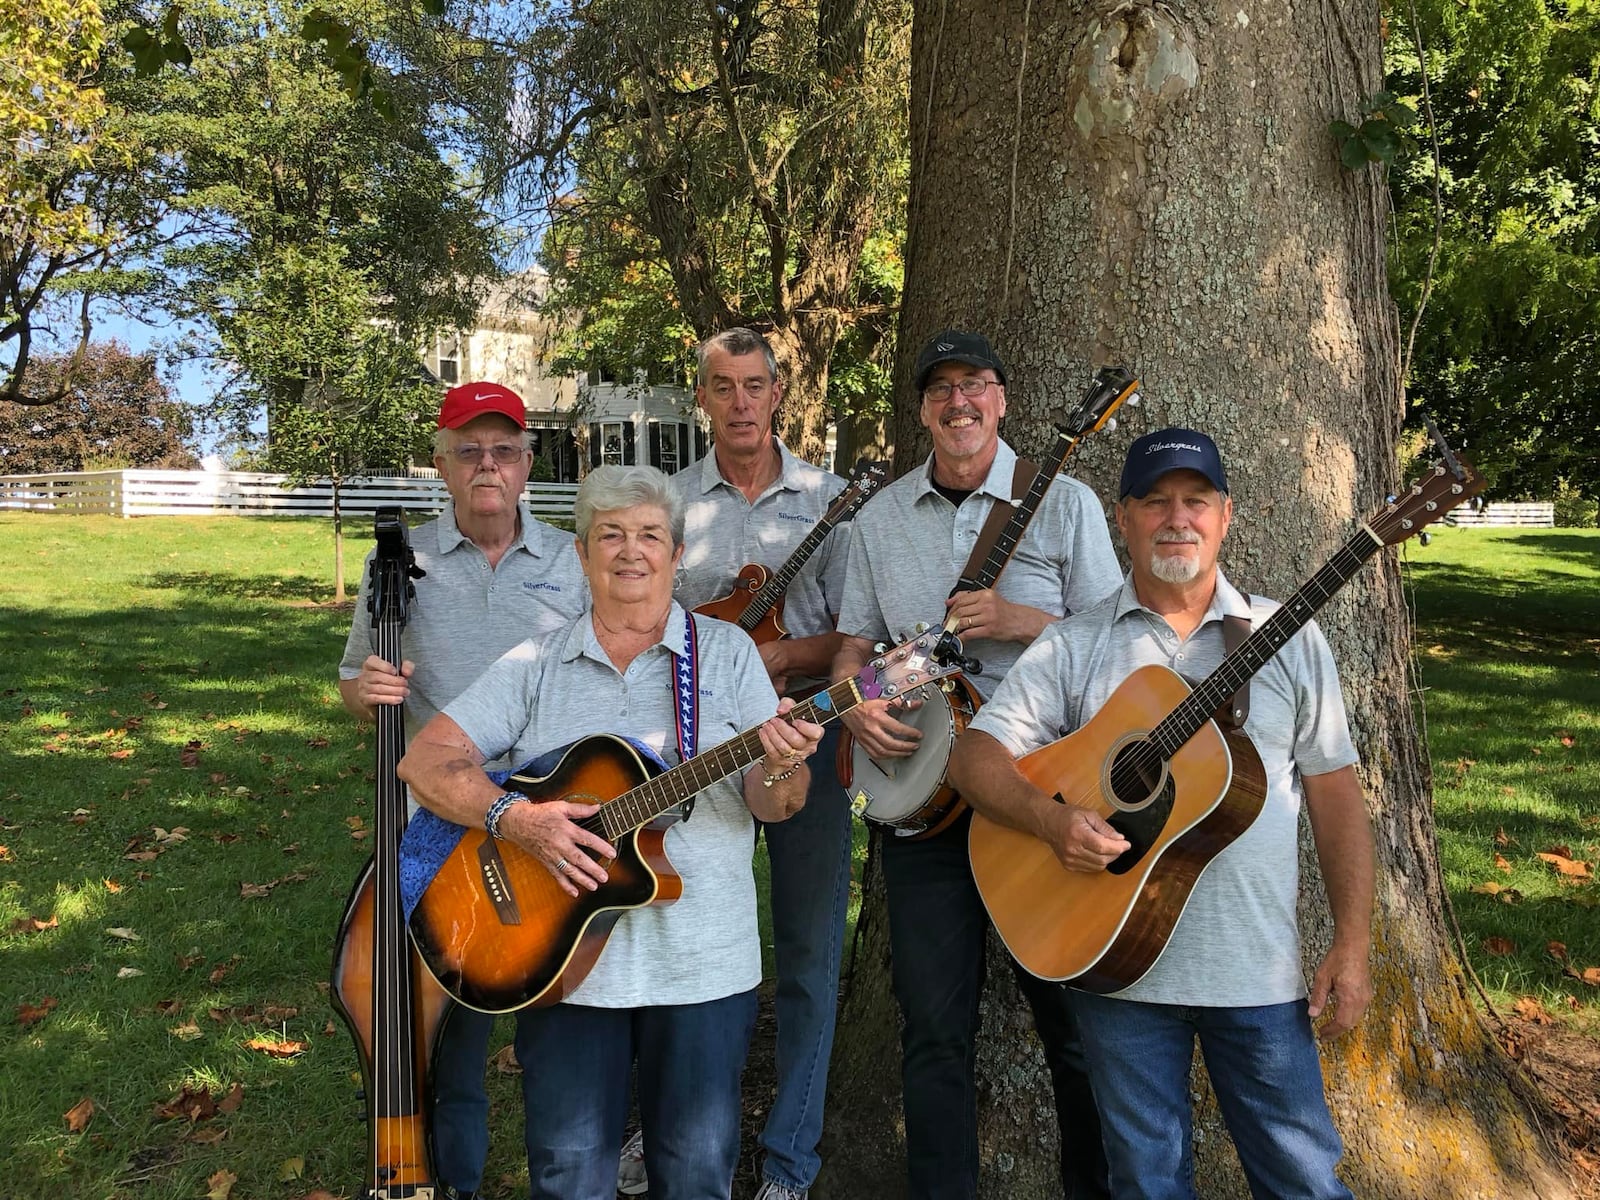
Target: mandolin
393 1007
756 603
1154 764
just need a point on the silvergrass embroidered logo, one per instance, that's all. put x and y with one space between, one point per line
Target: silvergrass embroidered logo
1157 447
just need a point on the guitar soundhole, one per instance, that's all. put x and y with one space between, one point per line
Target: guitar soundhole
1144 793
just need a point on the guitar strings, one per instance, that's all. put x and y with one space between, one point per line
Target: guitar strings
1189 715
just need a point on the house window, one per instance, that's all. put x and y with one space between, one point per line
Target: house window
666 446
611 443
449 356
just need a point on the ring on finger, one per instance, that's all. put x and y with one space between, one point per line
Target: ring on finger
561 866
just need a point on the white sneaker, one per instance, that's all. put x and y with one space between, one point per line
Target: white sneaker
631 1180
771 1189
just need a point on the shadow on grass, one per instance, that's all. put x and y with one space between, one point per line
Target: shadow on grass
243 587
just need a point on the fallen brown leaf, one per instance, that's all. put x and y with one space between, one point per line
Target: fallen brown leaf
79 1115
1589 975
1529 1008
1499 946
1502 838
221 1184
1556 950
274 1048
208 1135
1501 863
505 1060
190 1103
231 1102
27 1013
291 1169
1566 865
33 924
189 756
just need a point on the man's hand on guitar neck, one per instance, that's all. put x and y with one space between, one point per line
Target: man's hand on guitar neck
986 614
984 772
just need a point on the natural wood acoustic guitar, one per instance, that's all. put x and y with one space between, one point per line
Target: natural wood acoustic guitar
1154 764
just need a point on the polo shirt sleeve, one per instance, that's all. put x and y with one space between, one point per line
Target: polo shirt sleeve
752 686
860 614
1090 570
1028 709
495 710
359 644
1321 730
830 562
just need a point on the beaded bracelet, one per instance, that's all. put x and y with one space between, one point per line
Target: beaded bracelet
491 819
769 780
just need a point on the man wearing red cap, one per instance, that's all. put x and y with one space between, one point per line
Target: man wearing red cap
495 576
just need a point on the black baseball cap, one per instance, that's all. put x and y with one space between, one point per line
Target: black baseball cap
1153 455
956 345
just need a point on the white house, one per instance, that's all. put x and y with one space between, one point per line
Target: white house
569 416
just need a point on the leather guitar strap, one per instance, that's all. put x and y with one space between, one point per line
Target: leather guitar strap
1237 709
999 517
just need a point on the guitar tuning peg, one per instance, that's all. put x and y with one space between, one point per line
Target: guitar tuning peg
1390 498
879 647
1132 401
1111 424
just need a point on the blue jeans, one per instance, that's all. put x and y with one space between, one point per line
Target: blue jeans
937 933
578 1064
460 1117
1264 1068
810 856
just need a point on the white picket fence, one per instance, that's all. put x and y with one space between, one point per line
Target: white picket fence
241 493
1540 514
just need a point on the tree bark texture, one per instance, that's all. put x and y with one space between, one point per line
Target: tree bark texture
1154 184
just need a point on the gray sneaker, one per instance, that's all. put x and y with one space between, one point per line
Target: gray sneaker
771 1189
631 1180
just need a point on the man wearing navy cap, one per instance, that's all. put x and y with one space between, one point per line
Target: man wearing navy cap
907 548
494 577
1230 974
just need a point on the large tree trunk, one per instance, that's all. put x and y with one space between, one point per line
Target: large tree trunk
1154 184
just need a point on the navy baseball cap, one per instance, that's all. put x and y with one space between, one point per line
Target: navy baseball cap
956 345
1153 455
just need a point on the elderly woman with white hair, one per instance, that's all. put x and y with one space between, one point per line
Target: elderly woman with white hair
672 995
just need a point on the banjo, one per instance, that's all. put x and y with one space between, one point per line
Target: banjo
910 795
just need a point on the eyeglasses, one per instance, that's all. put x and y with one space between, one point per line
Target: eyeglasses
504 453
971 387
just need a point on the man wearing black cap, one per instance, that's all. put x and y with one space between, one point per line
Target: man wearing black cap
495 576
1230 974
907 548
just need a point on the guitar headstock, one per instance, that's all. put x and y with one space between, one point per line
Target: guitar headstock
1449 482
1112 388
868 476
931 655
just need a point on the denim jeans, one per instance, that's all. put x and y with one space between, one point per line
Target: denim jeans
810 857
937 933
1264 1068
460 1119
578 1062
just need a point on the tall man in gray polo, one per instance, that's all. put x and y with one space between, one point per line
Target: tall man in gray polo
1230 975
907 549
495 577
751 501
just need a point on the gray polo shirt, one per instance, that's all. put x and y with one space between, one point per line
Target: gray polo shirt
546 693
467 614
908 545
723 532
1237 943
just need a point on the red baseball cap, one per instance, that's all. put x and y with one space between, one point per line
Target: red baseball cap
468 400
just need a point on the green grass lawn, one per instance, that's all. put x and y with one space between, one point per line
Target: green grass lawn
1508 639
171 732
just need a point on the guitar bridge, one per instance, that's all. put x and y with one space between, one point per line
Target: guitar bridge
492 869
